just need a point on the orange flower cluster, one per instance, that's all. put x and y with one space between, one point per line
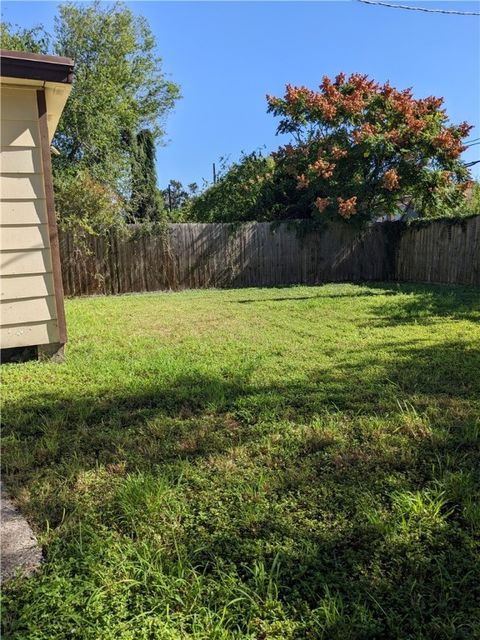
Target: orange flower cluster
365 131
317 102
387 90
394 136
338 153
391 180
464 129
449 143
347 208
312 100
321 204
446 177
302 182
416 125
358 89
294 93
273 101
296 97
323 168
403 102
354 103
329 89
361 82
428 105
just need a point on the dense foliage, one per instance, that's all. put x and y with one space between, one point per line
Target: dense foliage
358 150
146 203
177 200
471 204
86 203
243 191
361 149
119 88
14 38
119 93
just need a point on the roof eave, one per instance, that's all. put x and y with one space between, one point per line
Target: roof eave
34 66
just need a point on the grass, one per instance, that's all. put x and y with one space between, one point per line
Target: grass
264 464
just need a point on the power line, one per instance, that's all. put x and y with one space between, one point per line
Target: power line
403 6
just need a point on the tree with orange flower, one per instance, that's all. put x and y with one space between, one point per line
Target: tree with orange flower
361 149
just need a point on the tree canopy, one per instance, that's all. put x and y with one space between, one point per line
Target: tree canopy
361 149
120 92
245 190
358 150
15 38
119 88
146 201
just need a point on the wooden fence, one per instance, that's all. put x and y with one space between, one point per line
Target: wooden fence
192 256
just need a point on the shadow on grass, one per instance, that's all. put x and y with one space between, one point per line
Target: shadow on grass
325 296
361 479
423 305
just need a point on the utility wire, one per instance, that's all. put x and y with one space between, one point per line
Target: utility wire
402 6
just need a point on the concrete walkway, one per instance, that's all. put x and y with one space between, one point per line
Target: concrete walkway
18 545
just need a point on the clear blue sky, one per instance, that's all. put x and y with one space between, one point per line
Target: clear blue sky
227 55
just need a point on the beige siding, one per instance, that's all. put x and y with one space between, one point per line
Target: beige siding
22 186
15 133
20 160
23 212
29 334
17 287
19 104
25 262
24 237
13 312
27 308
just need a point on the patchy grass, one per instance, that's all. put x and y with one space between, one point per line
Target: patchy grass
263 463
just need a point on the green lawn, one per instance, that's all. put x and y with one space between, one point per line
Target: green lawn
261 463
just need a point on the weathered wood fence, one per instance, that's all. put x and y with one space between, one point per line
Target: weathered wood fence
192 256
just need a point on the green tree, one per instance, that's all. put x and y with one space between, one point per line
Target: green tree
177 200
471 205
120 95
15 38
85 204
119 88
245 190
360 149
146 203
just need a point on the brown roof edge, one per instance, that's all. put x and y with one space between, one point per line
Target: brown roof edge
35 66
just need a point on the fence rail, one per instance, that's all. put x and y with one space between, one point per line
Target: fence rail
192 256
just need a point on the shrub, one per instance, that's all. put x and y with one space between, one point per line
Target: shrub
84 203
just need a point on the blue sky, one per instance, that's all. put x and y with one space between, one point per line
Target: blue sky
227 55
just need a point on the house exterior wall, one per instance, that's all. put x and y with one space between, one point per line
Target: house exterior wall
28 309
